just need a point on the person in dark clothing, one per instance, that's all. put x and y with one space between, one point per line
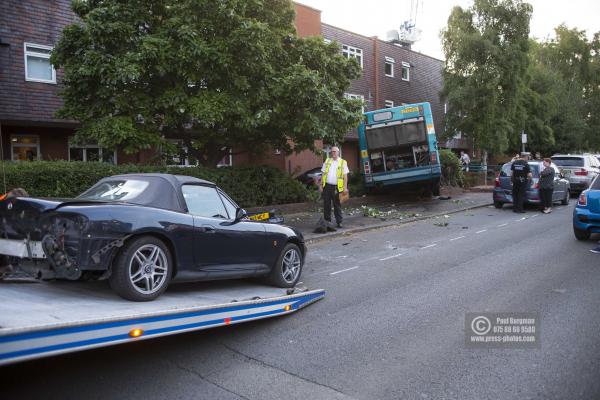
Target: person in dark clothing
546 186
521 173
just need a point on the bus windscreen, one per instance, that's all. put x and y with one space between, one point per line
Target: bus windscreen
396 135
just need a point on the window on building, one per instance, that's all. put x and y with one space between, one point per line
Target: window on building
327 41
389 104
37 63
405 71
226 161
356 96
92 153
178 155
25 147
389 67
353 52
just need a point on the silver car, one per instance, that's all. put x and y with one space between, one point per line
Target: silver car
579 169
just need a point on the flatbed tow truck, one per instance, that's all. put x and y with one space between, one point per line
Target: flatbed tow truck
40 319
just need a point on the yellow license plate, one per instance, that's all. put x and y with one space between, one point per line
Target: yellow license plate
259 217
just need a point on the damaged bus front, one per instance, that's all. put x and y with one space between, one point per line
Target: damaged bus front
398 146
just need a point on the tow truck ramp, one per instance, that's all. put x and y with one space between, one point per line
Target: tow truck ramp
49 318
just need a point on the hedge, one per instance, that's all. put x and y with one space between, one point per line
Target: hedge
452 173
249 186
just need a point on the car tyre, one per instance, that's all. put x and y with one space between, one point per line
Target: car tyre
288 267
142 270
498 204
581 234
565 201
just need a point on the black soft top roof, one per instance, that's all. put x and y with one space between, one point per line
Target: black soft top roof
163 191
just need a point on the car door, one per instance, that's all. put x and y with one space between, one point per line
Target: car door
505 178
223 247
560 185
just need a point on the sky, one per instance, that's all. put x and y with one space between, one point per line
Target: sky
376 17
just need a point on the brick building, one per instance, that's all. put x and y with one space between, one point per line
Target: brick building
29 86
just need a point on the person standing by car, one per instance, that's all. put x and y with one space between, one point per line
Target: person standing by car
546 186
333 182
521 173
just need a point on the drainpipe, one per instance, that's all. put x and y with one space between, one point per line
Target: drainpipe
375 71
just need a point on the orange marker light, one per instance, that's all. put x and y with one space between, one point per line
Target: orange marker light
136 333
287 308
227 321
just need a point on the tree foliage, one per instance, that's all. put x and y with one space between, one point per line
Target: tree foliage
486 49
217 74
567 76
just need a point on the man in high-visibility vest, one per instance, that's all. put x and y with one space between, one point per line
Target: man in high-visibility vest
333 182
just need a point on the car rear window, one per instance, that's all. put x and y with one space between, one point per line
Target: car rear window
595 184
122 190
535 169
568 161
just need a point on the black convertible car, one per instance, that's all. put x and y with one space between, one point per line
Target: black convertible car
141 231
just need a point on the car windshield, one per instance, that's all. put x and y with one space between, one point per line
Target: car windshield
568 161
595 184
125 189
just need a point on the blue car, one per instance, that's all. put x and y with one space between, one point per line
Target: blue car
586 216
503 188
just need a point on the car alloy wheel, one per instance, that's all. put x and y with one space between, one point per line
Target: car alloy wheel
291 265
142 269
148 269
288 267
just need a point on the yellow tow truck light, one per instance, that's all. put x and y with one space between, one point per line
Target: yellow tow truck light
136 333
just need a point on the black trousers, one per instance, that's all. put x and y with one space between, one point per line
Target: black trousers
546 197
518 192
331 194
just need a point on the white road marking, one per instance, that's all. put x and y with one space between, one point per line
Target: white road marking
481 231
520 219
343 270
534 215
431 245
501 225
456 238
390 257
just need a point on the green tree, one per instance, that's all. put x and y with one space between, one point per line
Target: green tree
564 76
217 74
541 101
485 73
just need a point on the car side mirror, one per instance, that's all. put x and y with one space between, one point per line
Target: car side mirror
240 214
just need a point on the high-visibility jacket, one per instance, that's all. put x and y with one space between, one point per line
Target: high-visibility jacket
340 173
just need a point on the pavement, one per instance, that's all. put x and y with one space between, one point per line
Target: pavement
363 214
392 324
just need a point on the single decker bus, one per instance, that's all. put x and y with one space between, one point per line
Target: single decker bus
398 146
